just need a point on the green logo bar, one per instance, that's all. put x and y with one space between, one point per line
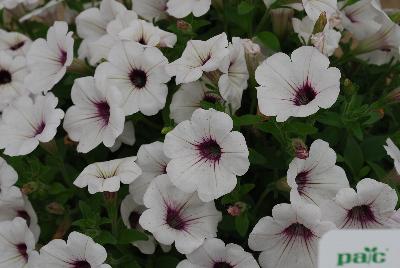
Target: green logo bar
370 255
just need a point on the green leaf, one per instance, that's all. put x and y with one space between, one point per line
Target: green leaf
242 224
128 236
357 131
256 158
166 262
246 120
245 8
105 237
269 40
353 155
330 119
299 128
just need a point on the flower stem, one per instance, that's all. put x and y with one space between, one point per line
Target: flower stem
263 21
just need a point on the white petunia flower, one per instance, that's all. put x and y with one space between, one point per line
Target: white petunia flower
326 41
108 176
316 178
371 207
147 34
127 137
96 116
394 152
9 193
100 48
214 253
153 162
91 24
130 214
12 74
290 237
234 74
150 9
21 208
188 99
139 74
296 86
48 59
180 9
14 43
314 8
27 121
360 19
206 155
78 251
17 244
175 216
198 57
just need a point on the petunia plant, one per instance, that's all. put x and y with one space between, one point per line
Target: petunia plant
195 133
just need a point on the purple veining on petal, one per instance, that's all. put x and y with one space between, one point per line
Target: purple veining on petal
174 218
209 149
298 231
17 45
5 77
222 264
304 94
138 78
103 112
301 181
63 57
361 215
39 129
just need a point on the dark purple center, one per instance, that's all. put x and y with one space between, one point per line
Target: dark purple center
350 17
222 264
204 61
304 95
301 181
362 215
134 219
142 41
23 214
209 149
81 264
63 57
298 230
17 45
210 97
174 218
138 78
40 128
103 111
22 250
5 77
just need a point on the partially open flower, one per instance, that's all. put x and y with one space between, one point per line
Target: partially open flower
215 254
108 176
371 207
176 216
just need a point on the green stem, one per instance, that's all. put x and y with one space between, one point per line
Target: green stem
263 21
111 205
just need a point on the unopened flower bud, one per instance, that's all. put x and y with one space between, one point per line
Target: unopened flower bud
320 24
237 209
300 149
282 185
253 54
29 188
281 20
55 208
183 25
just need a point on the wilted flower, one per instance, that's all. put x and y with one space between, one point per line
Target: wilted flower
176 216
